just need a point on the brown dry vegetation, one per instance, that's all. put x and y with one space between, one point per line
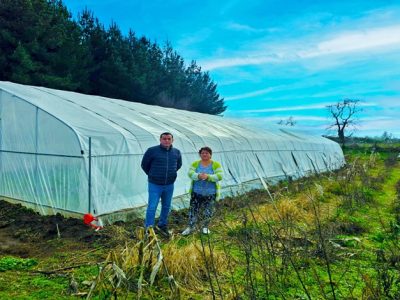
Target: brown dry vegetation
334 236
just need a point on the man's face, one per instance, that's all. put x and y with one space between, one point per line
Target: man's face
166 140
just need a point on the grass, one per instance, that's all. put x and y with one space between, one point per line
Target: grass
8 263
335 236
22 285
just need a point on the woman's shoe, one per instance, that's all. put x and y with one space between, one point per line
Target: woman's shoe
187 231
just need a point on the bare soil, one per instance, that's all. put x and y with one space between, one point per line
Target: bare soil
25 233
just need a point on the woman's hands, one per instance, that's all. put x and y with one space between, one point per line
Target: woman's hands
203 176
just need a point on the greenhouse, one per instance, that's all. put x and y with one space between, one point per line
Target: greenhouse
73 153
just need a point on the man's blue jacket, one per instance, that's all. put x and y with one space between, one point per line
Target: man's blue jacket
161 164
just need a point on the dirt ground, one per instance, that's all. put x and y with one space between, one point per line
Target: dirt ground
25 233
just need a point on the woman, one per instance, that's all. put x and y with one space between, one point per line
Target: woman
204 190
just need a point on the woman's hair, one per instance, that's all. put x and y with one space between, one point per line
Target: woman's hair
208 149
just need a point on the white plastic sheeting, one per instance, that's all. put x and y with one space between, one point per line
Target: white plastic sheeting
75 153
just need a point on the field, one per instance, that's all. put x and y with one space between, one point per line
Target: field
331 236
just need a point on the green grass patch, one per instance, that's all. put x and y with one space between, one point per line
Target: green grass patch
340 235
8 263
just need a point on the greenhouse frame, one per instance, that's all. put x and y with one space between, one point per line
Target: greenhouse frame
70 153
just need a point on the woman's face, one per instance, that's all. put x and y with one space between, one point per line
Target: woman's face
205 155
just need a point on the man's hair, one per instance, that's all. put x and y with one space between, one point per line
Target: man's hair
166 133
208 149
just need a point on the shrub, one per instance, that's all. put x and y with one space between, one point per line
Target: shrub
391 160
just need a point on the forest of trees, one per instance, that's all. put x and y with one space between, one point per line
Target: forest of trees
40 44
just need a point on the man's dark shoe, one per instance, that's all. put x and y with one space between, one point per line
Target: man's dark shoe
163 230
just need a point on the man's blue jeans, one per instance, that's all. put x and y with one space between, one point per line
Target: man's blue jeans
155 193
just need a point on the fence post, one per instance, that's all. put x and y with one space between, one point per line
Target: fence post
90 176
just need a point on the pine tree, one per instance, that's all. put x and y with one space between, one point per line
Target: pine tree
42 45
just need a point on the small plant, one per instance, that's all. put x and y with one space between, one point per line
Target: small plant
385 285
391 160
397 187
9 263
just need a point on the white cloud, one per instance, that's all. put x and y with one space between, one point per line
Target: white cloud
366 125
305 124
297 108
251 94
287 108
241 27
295 118
378 126
380 123
194 38
357 41
376 118
249 29
388 102
318 125
238 61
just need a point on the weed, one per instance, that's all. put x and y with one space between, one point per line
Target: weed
391 160
8 263
331 236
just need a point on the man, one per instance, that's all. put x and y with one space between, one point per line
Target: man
161 164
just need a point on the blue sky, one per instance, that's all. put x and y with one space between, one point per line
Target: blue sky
276 59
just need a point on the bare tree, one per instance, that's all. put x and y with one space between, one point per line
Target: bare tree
387 137
288 122
344 114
